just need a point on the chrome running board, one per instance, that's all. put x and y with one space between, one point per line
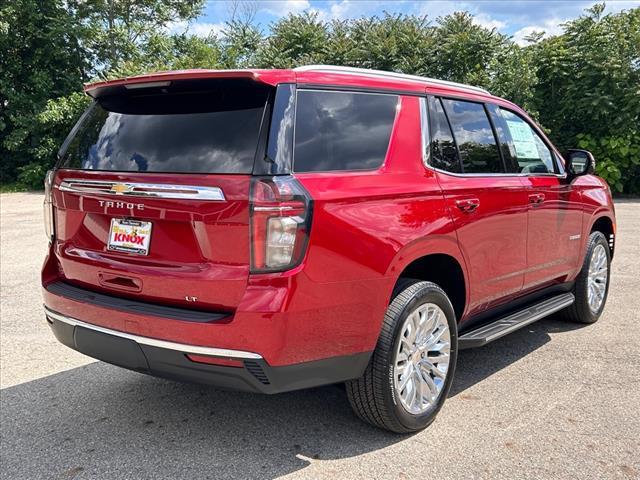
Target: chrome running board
514 321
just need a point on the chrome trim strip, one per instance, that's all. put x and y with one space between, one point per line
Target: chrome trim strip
424 131
153 190
500 174
272 209
154 342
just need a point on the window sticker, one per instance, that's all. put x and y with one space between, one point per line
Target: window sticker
523 140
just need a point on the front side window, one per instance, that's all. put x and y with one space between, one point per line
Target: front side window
474 137
342 130
531 153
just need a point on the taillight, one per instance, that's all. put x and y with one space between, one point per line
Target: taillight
48 205
280 222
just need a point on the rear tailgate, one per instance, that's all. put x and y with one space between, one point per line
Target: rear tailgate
180 157
198 253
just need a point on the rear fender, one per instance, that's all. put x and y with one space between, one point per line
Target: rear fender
422 247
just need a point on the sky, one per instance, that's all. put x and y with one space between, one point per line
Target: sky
517 18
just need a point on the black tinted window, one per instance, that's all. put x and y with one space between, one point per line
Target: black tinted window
504 140
202 131
474 136
444 154
342 131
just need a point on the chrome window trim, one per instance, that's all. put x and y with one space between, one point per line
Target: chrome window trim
154 342
424 132
495 174
147 190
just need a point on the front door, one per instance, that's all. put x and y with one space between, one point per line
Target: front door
555 214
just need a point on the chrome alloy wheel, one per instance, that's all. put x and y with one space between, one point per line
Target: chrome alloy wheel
422 358
597 278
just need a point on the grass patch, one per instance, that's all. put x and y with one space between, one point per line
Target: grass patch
12 187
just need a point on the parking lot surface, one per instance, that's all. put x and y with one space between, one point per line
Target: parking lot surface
554 400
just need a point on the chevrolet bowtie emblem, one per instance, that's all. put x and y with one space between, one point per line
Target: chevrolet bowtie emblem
120 188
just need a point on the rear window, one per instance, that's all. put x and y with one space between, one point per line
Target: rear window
197 128
342 130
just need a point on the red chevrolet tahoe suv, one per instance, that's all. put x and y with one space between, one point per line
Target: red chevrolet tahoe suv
272 230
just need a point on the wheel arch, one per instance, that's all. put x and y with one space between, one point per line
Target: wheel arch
439 261
606 225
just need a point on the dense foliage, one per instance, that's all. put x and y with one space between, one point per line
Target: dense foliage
583 86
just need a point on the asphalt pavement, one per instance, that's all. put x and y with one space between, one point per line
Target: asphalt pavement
554 400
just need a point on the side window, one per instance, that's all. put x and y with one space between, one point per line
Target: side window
342 130
559 163
531 153
474 137
504 139
444 154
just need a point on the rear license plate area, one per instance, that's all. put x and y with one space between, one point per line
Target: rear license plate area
129 236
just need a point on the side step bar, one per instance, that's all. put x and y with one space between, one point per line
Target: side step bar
514 321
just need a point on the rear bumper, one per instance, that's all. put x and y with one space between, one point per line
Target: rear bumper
169 359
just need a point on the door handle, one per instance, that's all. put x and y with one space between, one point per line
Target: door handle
468 205
536 199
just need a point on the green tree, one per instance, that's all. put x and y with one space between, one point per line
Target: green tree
294 40
42 58
51 47
50 127
400 43
115 29
582 85
588 90
171 52
241 42
463 50
512 74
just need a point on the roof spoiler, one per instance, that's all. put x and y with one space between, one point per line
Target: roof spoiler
164 79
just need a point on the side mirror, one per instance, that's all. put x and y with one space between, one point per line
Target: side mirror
580 162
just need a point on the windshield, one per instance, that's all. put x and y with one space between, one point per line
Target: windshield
179 130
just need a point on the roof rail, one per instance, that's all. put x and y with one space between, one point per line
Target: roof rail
383 74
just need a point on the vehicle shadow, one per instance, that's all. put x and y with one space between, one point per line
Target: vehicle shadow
99 421
476 364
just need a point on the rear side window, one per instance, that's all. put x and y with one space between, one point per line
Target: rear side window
444 154
531 153
205 128
342 130
474 137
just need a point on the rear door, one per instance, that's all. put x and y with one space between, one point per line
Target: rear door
151 193
555 210
487 204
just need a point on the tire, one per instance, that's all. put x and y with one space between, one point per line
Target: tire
581 311
378 396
